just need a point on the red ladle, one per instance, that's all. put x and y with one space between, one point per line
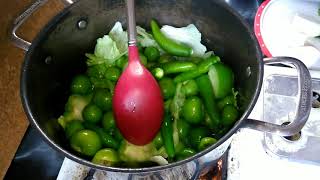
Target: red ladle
137 101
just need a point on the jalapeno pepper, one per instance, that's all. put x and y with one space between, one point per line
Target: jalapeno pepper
206 93
178 67
202 68
167 44
167 135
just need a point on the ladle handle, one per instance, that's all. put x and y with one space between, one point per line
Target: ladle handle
132 32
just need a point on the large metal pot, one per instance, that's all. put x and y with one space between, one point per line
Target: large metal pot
57 54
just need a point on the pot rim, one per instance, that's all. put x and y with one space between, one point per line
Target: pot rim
25 102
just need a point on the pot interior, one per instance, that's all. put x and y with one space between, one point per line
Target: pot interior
57 53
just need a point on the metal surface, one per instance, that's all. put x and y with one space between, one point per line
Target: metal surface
286 159
131 16
304 149
304 104
18 41
43 94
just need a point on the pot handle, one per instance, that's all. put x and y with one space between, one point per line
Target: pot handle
18 41
304 103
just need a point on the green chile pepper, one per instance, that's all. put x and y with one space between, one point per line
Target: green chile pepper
202 68
167 44
206 142
206 93
167 135
178 67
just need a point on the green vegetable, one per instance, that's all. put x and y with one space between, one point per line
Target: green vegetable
167 135
221 78
143 59
158 73
73 127
152 53
117 134
183 128
206 142
110 47
157 141
92 113
103 99
202 68
177 102
167 105
228 100
102 83
86 142
187 76
189 36
106 157
145 39
167 44
73 109
178 66
197 134
97 71
185 153
108 121
192 110
165 58
131 153
206 93
229 115
106 139
121 62
81 85
190 88
112 74
167 87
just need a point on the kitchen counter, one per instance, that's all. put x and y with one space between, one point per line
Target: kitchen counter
34 159
13 120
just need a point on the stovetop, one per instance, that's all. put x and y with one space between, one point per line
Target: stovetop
35 159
